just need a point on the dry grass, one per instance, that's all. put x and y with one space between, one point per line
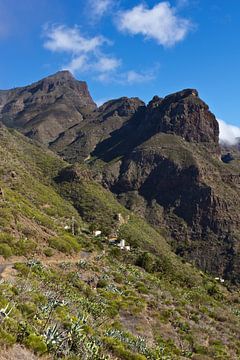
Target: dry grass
16 353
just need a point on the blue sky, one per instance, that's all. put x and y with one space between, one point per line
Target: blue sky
131 48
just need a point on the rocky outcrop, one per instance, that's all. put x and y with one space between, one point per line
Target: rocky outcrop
183 114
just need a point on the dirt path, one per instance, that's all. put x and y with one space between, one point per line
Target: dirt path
7 268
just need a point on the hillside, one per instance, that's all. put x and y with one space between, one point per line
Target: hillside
162 160
64 295
85 180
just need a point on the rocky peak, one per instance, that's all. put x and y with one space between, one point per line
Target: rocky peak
183 114
155 102
123 106
64 80
43 110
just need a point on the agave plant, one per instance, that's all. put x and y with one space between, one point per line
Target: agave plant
137 344
82 264
114 289
5 312
53 337
35 263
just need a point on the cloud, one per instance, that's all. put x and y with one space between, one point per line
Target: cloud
229 134
133 77
98 8
102 64
130 77
87 55
107 64
63 39
76 64
160 23
86 52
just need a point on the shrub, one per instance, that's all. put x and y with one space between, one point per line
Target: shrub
48 252
66 244
5 250
25 247
28 309
142 288
115 252
120 351
6 239
22 268
36 343
6 338
145 261
102 283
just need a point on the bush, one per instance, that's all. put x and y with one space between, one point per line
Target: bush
120 351
5 250
66 244
6 338
25 247
146 261
28 309
48 252
22 268
36 343
102 283
6 239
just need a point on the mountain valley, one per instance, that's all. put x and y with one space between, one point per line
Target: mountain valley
76 180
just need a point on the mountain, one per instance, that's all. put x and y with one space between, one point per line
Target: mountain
161 160
66 293
46 108
107 216
166 166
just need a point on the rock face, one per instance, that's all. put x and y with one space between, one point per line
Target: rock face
45 109
185 190
183 114
114 116
162 160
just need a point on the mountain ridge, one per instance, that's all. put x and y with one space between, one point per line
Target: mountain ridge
71 287
162 160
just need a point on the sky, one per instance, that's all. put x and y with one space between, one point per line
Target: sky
128 48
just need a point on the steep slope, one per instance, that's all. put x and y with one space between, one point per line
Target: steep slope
163 160
32 214
101 302
166 166
78 142
47 108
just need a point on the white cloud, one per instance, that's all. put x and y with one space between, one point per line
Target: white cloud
107 64
134 77
160 23
86 53
229 134
130 77
63 39
77 63
98 8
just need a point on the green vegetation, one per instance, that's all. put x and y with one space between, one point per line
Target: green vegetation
103 302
